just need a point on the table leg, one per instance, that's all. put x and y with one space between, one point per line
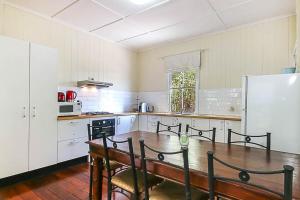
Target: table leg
97 178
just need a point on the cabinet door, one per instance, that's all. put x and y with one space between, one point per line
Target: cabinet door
152 122
184 121
123 124
134 126
14 129
201 124
236 127
143 123
170 121
219 125
43 106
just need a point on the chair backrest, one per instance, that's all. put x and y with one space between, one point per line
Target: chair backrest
161 158
244 177
201 132
115 146
248 139
168 128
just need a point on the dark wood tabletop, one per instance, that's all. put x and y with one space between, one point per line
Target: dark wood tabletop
240 156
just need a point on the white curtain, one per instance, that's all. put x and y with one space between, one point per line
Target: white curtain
182 62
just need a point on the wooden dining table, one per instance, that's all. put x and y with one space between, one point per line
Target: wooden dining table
237 155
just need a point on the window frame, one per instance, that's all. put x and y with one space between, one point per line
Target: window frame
197 77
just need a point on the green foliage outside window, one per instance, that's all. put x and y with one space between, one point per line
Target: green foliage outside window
183 91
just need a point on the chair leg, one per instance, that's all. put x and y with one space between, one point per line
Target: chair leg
109 189
91 180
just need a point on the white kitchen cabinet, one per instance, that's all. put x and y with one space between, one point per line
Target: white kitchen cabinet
43 106
152 122
72 135
71 149
71 129
14 98
236 127
184 121
126 124
220 126
143 123
201 124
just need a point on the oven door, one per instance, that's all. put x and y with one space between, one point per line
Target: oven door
106 126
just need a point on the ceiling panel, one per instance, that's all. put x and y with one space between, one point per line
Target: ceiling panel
120 30
256 10
225 4
127 7
180 31
172 13
88 15
45 7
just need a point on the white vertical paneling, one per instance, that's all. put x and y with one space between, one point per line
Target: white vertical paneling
81 55
262 48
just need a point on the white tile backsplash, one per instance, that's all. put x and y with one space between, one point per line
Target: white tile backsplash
104 99
214 101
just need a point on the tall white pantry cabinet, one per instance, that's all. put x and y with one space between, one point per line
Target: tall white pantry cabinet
28 129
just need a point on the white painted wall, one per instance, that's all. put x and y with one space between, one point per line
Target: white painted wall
262 48
81 54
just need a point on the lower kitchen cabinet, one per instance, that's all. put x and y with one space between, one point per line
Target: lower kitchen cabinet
152 122
143 123
220 126
126 124
236 127
201 124
72 135
71 149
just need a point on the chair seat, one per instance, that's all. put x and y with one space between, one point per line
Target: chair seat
172 191
113 165
125 180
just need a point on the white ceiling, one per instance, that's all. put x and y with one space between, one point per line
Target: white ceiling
140 26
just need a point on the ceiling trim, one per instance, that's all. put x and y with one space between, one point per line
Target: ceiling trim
217 13
174 42
65 8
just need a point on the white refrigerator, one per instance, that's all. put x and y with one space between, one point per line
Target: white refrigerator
271 103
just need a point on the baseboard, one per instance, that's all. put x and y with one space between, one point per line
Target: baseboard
41 172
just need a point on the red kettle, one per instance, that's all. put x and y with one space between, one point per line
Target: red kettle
70 96
61 97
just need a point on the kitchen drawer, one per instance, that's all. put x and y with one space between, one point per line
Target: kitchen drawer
71 149
71 129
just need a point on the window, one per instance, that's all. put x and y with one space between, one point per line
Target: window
182 90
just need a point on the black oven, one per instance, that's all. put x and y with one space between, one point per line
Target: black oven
106 126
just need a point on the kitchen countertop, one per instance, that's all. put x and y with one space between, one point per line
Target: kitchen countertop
200 116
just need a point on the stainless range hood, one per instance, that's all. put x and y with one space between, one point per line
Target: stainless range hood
92 83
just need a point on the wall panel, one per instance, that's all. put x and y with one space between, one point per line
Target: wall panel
81 54
262 48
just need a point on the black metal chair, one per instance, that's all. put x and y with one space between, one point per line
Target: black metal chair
129 180
113 164
169 190
201 132
244 177
248 139
168 128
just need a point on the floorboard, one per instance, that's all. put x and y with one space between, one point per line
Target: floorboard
71 183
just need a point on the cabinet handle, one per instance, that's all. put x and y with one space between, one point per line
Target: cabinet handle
24 112
34 112
118 121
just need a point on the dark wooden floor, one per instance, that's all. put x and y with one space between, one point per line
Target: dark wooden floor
71 183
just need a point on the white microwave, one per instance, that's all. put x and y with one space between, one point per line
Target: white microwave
69 108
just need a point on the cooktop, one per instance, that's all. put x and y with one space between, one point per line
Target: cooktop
98 113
